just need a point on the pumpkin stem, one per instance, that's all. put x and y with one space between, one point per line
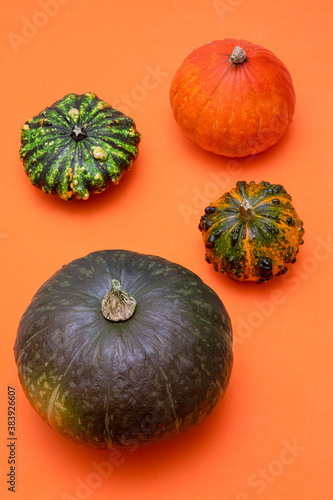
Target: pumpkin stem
238 55
246 211
117 305
78 133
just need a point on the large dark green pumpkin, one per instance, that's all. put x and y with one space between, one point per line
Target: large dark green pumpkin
118 382
77 146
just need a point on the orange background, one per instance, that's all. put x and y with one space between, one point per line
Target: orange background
271 437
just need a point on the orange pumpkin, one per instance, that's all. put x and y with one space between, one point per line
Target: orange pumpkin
233 97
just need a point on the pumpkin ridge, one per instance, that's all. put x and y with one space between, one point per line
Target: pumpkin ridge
92 105
268 201
225 218
248 249
235 233
56 179
29 341
256 69
80 177
196 334
226 230
59 113
56 126
97 112
108 115
201 319
162 338
186 83
197 76
50 415
116 145
60 151
89 341
266 229
87 293
273 84
59 390
255 95
230 121
33 151
270 218
118 127
103 332
127 339
241 190
171 401
71 174
108 431
273 60
52 117
90 143
211 95
235 196
152 343
224 55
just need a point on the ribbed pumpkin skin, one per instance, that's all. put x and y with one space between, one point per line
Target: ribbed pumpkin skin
233 109
106 384
258 249
77 146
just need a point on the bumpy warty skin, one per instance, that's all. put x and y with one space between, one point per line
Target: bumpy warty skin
78 146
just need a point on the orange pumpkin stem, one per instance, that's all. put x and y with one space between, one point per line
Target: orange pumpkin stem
246 211
238 55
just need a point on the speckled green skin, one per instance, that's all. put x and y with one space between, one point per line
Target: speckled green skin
256 249
73 165
107 384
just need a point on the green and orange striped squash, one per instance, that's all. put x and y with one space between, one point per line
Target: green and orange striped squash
252 232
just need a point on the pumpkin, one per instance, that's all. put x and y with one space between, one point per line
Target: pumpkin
77 146
233 97
119 348
252 232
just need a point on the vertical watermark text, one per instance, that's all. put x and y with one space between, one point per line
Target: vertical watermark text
11 439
